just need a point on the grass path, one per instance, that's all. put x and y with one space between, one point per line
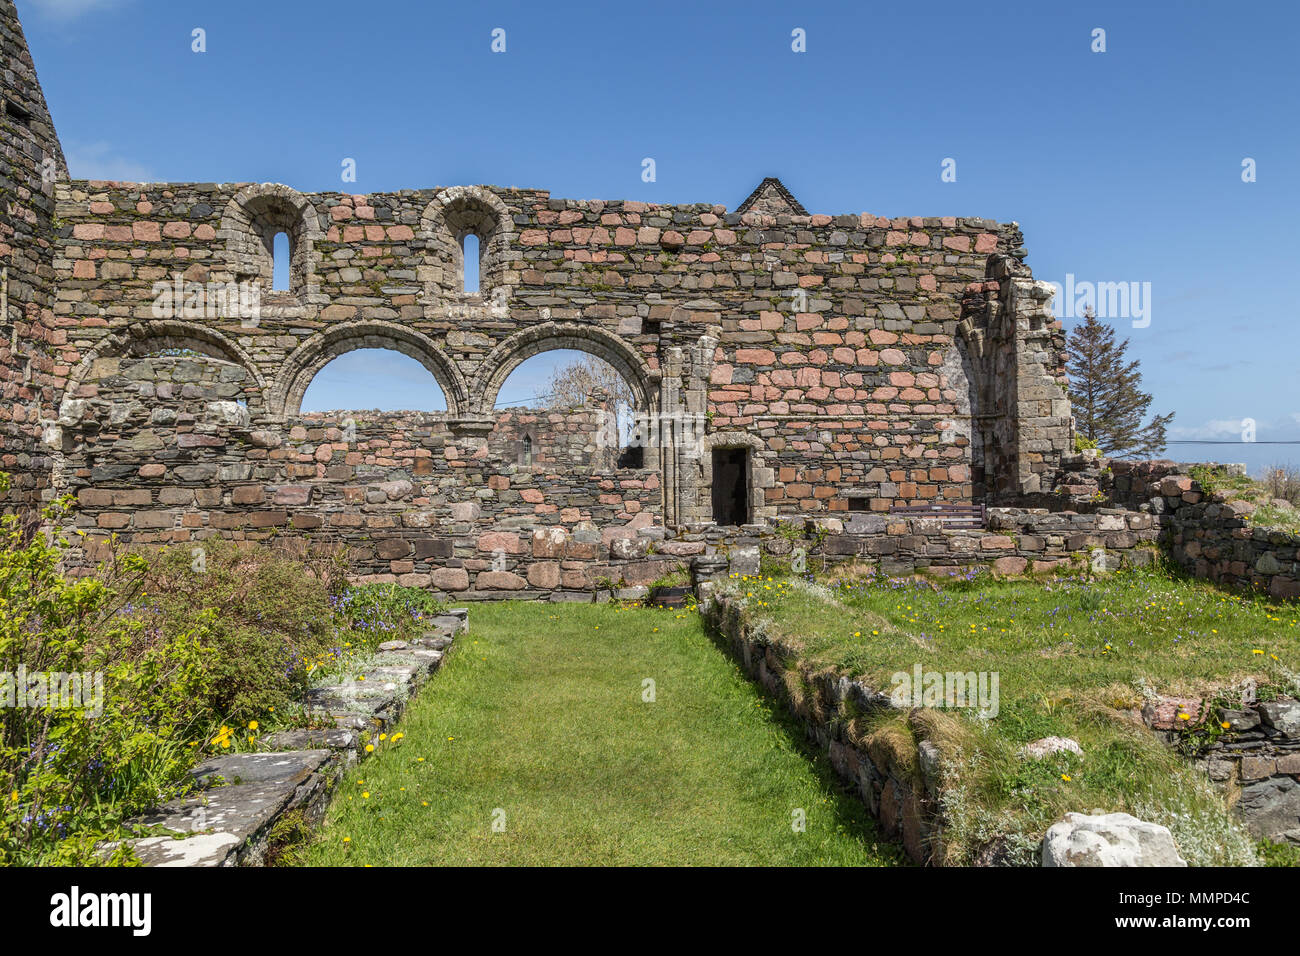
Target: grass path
537 721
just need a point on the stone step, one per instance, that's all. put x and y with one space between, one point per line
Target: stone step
227 820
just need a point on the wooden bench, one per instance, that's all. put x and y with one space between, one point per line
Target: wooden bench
951 515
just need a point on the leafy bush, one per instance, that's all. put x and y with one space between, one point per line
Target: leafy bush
77 755
260 616
173 644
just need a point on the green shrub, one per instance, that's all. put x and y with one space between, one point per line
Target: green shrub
257 612
73 765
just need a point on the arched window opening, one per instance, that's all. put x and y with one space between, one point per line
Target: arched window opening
470 253
577 382
281 255
374 379
269 241
526 451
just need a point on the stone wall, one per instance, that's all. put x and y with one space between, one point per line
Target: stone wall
30 161
407 498
1253 756
1208 534
477 514
1015 541
902 791
845 352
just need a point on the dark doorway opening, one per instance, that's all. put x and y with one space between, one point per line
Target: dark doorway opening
731 486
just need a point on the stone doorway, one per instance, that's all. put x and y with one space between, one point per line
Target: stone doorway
730 487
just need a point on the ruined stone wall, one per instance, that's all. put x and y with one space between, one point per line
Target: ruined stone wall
30 160
862 362
170 455
1208 533
845 352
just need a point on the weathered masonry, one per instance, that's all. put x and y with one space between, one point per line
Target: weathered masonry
781 362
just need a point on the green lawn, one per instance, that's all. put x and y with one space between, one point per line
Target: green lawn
1074 658
537 722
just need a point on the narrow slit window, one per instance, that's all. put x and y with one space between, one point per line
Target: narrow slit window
280 262
17 113
470 254
526 450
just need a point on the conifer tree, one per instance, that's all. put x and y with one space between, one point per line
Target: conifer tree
1106 392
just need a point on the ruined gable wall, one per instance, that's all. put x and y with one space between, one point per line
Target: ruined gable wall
30 159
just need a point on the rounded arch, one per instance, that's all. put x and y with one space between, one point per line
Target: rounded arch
249 224
321 349
141 339
510 353
454 213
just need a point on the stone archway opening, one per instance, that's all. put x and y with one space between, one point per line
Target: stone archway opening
302 367
573 385
376 379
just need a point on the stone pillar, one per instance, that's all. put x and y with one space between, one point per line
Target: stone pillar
1017 354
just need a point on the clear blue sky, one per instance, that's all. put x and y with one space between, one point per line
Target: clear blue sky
1122 166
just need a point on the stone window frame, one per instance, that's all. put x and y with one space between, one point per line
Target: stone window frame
252 219
454 213
527 452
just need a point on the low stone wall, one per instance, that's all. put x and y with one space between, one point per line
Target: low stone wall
1015 541
904 800
241 801
1207 533
1255 760
537 506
